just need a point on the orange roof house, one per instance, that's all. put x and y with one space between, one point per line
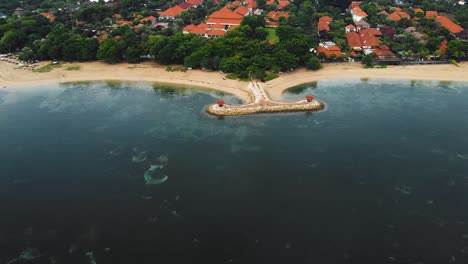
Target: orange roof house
124 22
418 10
431 14
354 40
171 13
49 16
329 50
354 4
323 26
272 17
242 10
282 4
368 40
205 30
383 13
194 2
449 24
225 17
326 19
250 3
398 15
350 28
443 46
146 19
372 31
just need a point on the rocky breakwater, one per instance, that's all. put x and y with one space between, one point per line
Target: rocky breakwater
263 104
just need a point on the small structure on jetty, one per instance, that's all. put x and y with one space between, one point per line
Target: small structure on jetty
263 104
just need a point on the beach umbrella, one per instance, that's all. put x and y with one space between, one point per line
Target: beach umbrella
220 102
309 98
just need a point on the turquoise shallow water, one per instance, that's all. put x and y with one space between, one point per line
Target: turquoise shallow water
124 173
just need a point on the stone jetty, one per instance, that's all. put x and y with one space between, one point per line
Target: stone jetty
263 104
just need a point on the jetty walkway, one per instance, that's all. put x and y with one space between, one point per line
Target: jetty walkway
263 104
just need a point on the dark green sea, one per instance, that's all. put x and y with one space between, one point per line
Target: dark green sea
134 173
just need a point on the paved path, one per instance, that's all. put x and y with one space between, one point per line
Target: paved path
263 104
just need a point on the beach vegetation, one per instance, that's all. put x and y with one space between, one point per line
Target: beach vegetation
314 63
73 68
368 61
270 76
47 68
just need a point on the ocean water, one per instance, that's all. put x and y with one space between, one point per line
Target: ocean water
136 173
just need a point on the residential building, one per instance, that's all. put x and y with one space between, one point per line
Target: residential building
271 19
449 24
171 13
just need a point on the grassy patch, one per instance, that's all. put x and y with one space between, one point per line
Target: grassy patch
176 69
272 35
47 68
73 68
381 66
454 62
270 76
233 76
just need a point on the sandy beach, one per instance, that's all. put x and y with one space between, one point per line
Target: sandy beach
11 76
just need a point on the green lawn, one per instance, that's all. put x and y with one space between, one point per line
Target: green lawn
272 35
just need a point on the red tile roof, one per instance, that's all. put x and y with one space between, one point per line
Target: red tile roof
431 14
368 39
218 32
383 51
123 22
150 18
172 12
242 10
250 3
358 12
449 24
418 10
49 16
351 26
443 46
184 5
323 26
328 52
194 2
354 4
272 17
354 40
398 15
372 31
116 15
326 19
282 4
188 28
385 13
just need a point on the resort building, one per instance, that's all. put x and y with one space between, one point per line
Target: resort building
219 22
171 13
365 40
329 50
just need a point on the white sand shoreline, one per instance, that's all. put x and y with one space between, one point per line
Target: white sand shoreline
12 77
